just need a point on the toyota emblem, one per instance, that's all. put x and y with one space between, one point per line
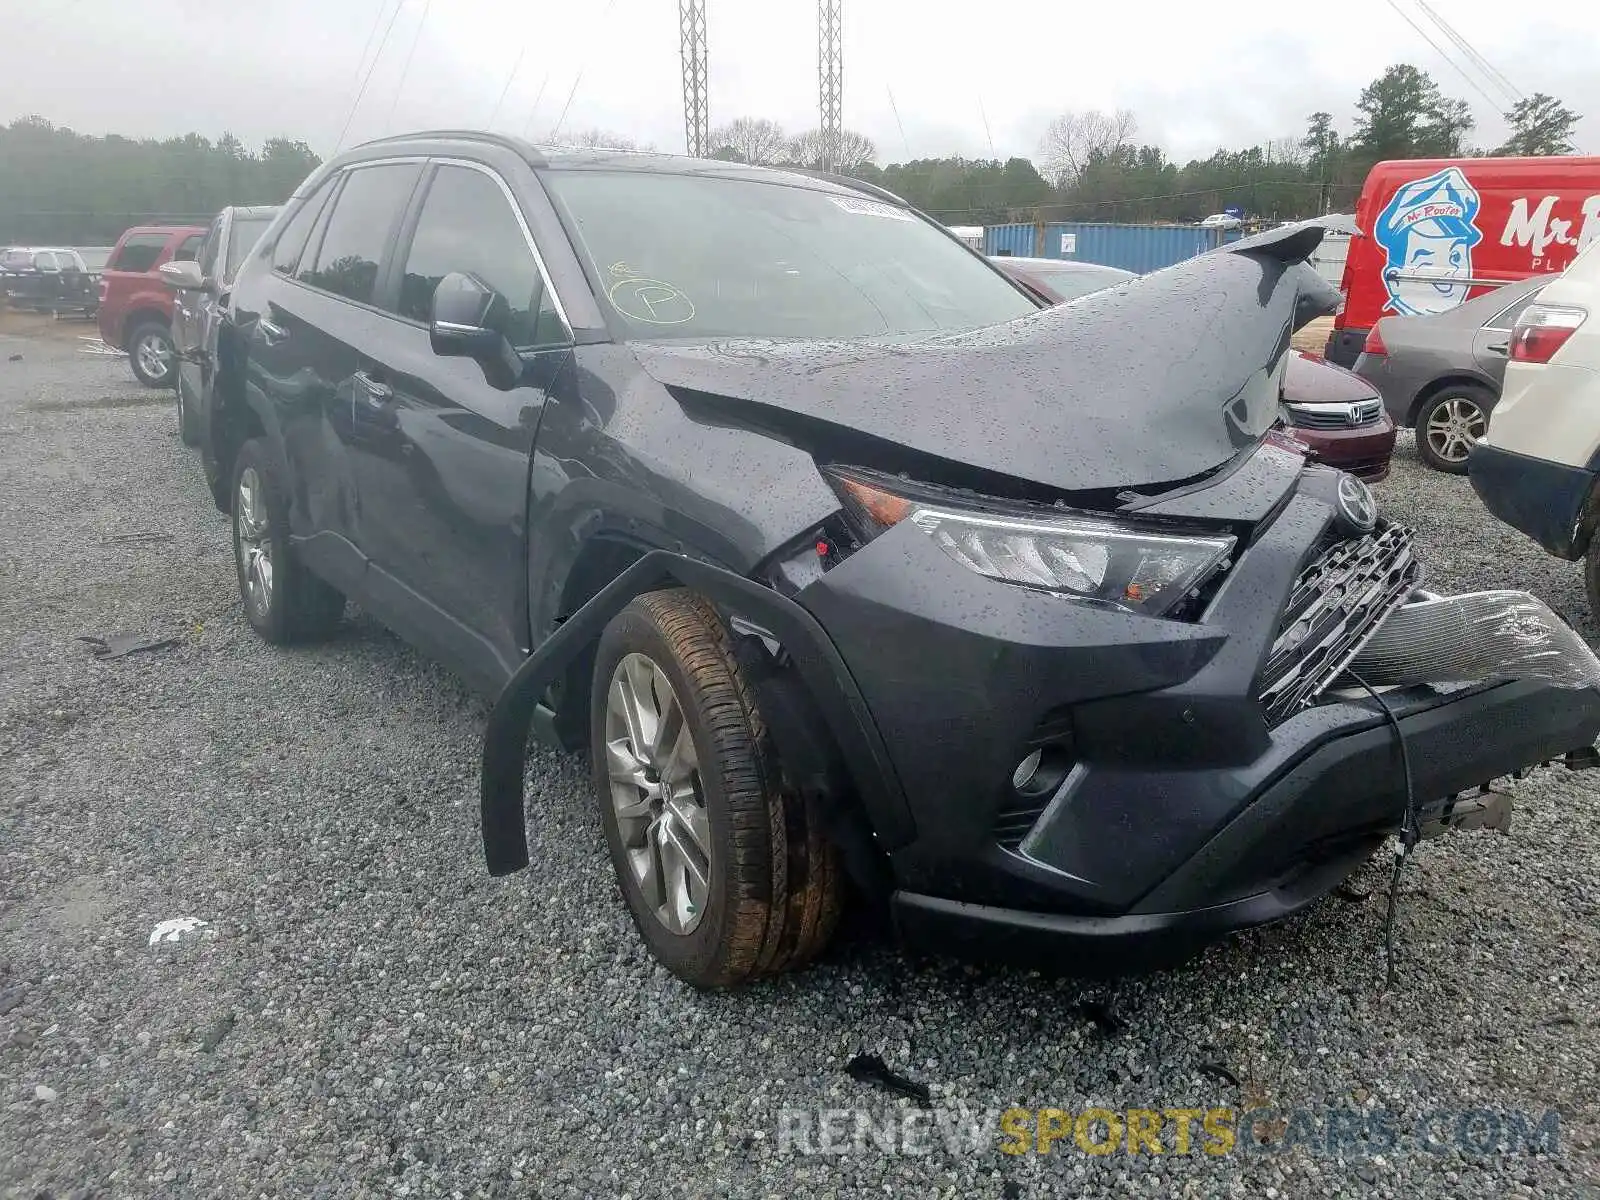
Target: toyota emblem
1357 505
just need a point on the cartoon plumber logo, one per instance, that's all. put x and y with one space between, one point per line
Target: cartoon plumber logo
1428 231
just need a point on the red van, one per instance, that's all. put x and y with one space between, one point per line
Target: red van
1438 231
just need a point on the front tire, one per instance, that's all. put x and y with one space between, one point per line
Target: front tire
728 876
1591 576
151 355
283 601
1449 422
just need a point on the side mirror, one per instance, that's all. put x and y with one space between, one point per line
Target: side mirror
184 276
469 321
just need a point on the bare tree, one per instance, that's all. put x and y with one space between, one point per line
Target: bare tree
1289 151
594 139
810 149
754 140
1073 139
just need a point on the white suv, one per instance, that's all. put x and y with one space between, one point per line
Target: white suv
1539 461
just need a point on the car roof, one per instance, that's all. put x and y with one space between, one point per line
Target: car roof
558 158
169 230
255 210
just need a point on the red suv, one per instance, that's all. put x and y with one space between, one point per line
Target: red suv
136 306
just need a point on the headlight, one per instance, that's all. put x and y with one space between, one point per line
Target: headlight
1143 568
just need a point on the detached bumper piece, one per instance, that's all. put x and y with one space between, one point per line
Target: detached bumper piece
1481 635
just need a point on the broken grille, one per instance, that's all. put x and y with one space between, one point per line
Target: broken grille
1337 603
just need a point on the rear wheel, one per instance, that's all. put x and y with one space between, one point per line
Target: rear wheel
1448 424
728 877
150 353
283 601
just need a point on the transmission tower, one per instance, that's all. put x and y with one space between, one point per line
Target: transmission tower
696 117
830 73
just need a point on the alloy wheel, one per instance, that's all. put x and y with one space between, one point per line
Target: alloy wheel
154 355
654 773
1453 426
255 541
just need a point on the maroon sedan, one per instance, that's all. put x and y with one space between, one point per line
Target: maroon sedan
1335 412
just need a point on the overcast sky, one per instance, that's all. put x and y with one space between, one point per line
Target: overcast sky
969 79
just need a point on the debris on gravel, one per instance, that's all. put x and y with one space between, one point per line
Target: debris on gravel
364 1011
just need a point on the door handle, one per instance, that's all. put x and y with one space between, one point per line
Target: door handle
1499 347
273 333
378 392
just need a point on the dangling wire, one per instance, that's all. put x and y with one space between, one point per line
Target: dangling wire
1410 833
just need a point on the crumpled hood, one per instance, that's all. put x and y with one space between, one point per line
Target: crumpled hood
1155 381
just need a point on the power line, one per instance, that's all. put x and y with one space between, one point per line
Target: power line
895 108
515 67
372 32
406 70
1483 64
373 66
1439 50
556 128
533 109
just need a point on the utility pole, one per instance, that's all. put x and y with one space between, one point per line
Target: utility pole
696 114
830 74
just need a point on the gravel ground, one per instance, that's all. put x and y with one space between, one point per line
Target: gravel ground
365 1012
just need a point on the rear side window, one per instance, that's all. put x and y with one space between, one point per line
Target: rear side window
286 254
207 257
139 252
188 249
242 239
467 225
45 262
350 255
1507 317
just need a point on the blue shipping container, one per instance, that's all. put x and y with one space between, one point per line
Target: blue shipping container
1140 248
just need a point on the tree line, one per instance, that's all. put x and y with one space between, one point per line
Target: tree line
1091 166
63 187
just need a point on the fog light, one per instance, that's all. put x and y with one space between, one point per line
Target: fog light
1039 774
1026 771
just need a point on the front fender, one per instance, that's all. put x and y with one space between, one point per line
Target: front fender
505 738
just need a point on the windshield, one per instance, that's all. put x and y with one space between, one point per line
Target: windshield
246 233
688 256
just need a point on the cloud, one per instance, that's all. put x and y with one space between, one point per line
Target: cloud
1195 81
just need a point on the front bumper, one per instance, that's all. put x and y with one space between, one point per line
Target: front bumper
1364 451
1550 502
1310 812
1182 811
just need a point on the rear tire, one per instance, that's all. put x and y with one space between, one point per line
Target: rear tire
728 877
151 355
283 601
1448 422
188 427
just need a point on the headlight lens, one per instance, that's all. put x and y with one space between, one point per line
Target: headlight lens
1141 568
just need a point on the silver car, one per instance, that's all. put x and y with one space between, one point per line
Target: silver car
1441 374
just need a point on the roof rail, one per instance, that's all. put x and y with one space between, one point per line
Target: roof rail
470 135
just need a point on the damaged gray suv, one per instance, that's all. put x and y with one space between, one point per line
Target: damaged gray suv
851 565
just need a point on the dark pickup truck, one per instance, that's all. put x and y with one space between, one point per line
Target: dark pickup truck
50 279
